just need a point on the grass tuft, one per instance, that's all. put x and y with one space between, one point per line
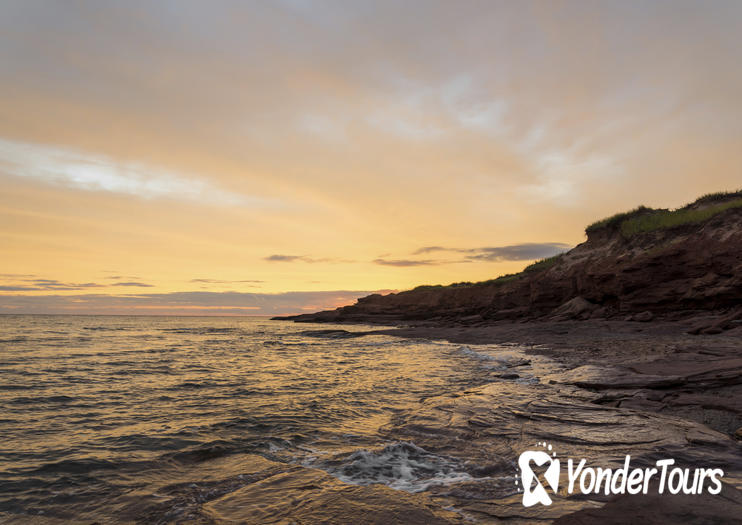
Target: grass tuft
664 219
543 264
501 280
644 219
427 287
614 221
720 196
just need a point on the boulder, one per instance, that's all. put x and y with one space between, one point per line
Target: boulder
577 308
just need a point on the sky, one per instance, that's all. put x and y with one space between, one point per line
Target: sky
275 157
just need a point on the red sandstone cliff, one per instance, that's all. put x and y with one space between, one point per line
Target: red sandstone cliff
644 264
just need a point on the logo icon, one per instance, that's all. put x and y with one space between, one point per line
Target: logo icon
533 490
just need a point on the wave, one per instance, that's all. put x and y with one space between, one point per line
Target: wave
103 328
19 339
204 330
332 334
37 400
499 360
399 465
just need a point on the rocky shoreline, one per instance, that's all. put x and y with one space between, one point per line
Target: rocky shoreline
598 390
655 366
604 389
628 344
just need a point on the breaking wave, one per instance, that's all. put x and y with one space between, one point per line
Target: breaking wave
400 465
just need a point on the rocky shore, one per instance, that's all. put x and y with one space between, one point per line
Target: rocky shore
593 390
605 389
700 378
630 343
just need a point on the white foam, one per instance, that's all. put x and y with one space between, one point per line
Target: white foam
399 465
500 359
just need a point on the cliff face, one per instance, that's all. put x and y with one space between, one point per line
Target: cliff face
670 271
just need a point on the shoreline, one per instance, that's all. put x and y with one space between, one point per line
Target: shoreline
644 389
594 390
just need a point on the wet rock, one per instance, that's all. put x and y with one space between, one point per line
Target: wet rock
656 509
507 376
498 421
313 496
696 368
601 378
511 510
717 325
644 317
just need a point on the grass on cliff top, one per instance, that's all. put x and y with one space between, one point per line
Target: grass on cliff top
720 196
638 220
466 284
542 264
643 219
663 219
539 265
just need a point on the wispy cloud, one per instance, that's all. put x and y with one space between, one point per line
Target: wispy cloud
14 284
222 281
513 252
286 258
406 262
52 284
430 249
88 172
304 258
518 252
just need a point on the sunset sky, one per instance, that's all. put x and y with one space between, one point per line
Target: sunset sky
284 156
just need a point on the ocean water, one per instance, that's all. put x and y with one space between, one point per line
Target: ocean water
119 419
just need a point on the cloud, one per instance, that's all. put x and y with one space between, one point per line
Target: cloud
406 262
53 284
222 281
514 252
88 172
221 303
306 259
286 258
429 249
38 285
518 252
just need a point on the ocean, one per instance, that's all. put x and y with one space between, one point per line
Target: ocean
122 418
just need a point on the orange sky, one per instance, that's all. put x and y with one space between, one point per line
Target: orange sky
217 157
